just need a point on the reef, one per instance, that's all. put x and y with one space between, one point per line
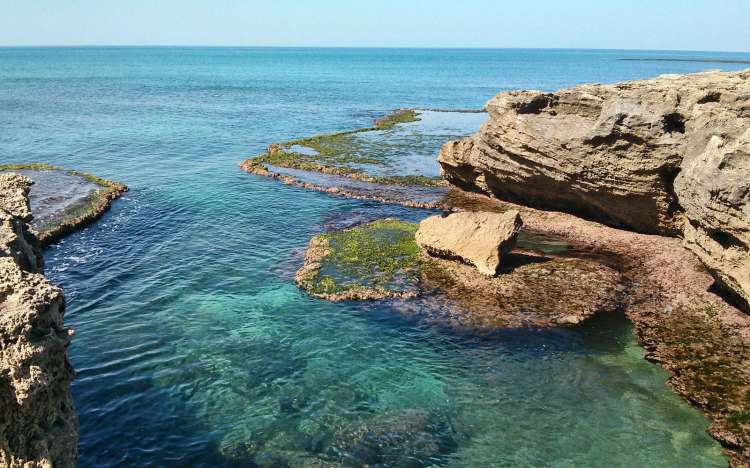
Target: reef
409 437
391 161
64 200
646 184
38 424
372 261
382 259
669 156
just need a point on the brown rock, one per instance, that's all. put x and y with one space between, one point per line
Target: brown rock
38 425
670 155
477 238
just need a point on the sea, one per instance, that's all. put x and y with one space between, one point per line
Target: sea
193 346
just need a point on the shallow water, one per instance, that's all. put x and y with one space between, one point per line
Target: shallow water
368 190
190 332
54 191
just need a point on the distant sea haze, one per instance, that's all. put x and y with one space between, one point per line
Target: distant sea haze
191 337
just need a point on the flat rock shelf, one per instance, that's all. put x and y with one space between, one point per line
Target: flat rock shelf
393 161
64 200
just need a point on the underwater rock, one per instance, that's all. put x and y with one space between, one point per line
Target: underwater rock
669 155
409 438
371 261
478 238
38 424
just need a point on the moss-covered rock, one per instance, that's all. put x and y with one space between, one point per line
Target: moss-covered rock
353 153
382 259
708 361
372 261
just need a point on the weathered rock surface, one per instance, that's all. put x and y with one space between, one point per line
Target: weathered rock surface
38 425
478 238
670 155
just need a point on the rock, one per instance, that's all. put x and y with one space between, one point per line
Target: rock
62 200
16 240
38 425
478 238
669 155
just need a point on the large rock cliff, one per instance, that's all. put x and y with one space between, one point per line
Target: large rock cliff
670 155
38 425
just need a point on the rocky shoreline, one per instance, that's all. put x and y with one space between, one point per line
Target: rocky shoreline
665 285
38 423
75 214
664 156
649 181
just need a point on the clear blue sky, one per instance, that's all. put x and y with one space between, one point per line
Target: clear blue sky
631 24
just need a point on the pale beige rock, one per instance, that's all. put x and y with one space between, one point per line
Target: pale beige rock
478 238
38 425
670 155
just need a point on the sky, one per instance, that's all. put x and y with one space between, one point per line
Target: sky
719 25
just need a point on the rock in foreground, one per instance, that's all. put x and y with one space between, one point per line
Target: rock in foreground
670 155
38 425
480 239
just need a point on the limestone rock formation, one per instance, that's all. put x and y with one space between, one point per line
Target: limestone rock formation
477 238
38 425
669 155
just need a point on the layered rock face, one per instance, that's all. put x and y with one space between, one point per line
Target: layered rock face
670 155
38 425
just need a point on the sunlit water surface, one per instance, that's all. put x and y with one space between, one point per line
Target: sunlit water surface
190 332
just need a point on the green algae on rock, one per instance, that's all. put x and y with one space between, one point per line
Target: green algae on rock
372 261
708 361
64 200
377 154
382 259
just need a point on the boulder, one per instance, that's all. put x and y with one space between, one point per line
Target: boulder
478 238
669 155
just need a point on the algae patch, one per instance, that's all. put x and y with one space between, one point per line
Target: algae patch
372 261
399 149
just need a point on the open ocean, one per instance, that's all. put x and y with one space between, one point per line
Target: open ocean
191 335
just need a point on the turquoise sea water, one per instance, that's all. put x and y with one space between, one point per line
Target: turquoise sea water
191 335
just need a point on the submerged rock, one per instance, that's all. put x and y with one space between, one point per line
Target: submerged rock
38 425
670 155
409 438
371 261
478 238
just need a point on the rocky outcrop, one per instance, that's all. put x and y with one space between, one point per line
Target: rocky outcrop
478 238
38 425
670 155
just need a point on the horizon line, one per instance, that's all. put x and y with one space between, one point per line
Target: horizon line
206 46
